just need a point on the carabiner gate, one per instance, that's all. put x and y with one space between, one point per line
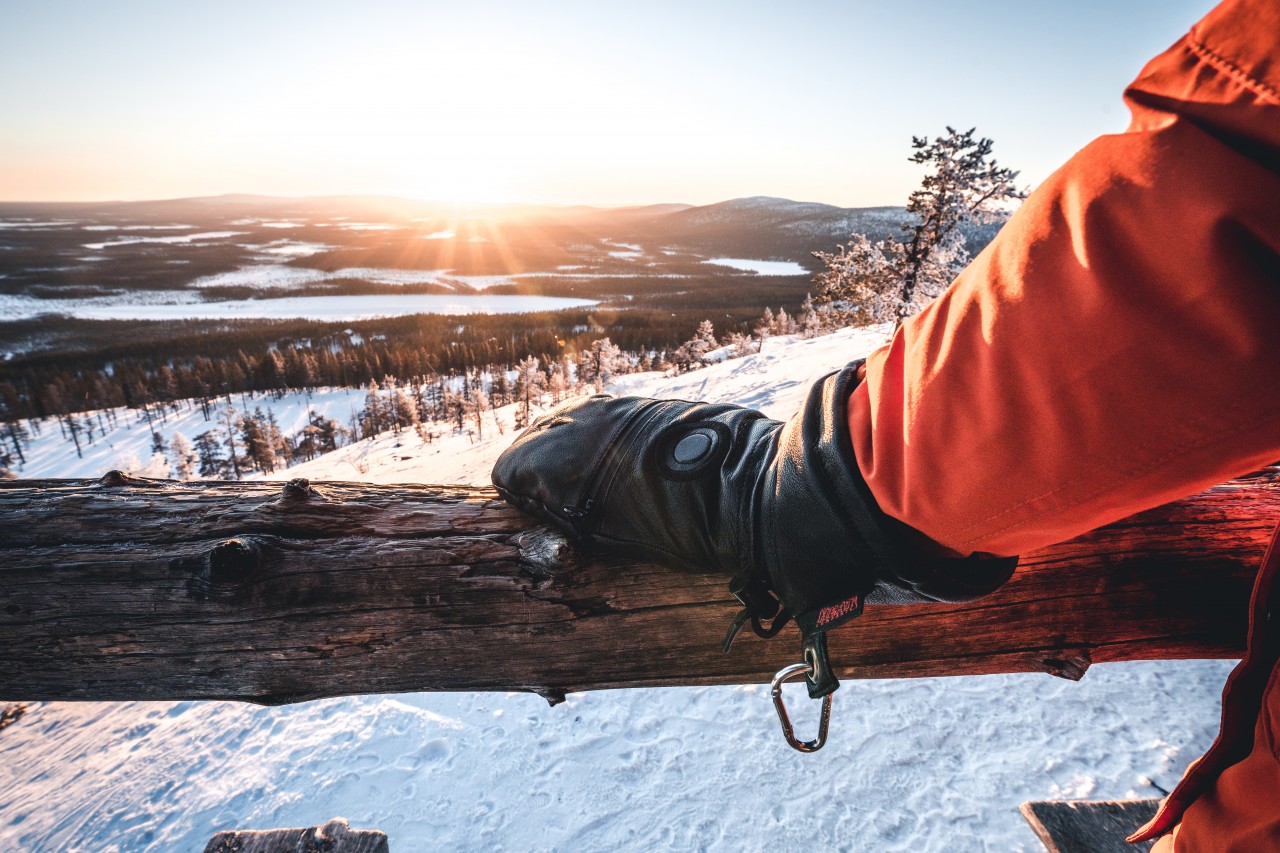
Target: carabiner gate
786 674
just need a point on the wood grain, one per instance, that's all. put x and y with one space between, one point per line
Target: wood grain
135 589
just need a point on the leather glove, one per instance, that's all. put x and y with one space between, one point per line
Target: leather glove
781 507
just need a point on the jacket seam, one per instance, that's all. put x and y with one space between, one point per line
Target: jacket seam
1225 66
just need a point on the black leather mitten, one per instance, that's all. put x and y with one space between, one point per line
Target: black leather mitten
780 507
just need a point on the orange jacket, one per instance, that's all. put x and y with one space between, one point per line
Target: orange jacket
1116 347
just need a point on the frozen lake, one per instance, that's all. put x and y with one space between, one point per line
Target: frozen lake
184 305
759 267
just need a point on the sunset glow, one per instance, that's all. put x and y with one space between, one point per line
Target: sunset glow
562 103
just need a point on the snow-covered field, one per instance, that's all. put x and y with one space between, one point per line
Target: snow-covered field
918 765
759 267
187 305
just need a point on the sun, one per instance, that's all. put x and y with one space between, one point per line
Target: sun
460 186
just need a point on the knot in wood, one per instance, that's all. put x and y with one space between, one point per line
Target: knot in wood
297 489
1071 666
114 479
234 561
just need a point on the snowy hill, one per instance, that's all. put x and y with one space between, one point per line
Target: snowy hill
918 764
766 227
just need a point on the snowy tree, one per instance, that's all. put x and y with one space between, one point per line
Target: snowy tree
403 412
229 423
209 455
182 457
691 354
763 328
784 325
892 279
16 433
530 381
256 437
810 320
704 340
373 417
558 384
742 344
598 365
477 404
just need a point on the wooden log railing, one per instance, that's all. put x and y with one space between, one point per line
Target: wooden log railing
134 589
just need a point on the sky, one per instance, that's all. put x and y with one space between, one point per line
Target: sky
552 102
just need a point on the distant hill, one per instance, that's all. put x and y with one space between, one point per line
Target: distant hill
767 227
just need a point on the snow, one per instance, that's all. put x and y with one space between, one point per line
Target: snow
185 305
51 455
760 267
927 765
293 248
140 227
20 223
284 277
275 276
180 238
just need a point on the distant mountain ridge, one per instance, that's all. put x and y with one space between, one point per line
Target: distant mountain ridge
760 227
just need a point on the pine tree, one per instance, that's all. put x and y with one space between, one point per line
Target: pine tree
209 453
257 442
530 381
403 412
810 320
182 457
598 365
476 403
229 422
764 328
892 279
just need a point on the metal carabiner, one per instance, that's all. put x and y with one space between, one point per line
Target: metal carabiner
786 674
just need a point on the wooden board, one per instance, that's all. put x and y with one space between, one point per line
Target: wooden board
1084 826
336 836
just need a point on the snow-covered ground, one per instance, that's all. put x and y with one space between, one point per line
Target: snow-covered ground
918 764
128 446
759 267
187 305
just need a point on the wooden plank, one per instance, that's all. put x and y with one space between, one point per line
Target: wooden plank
127 589
336 836
1089 826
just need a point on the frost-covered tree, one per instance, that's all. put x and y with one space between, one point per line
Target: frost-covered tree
599 364
741 343
530 382
229 421
763 328
559 382
182 457
255 435
403 412
692 354
477 404
810 321
893 279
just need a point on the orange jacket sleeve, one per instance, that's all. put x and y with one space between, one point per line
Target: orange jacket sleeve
1118 344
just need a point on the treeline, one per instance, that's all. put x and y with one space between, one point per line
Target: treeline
242 441
104 365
